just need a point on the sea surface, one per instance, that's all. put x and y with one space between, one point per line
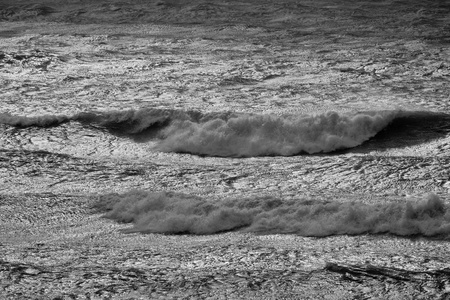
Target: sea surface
284 125
243 136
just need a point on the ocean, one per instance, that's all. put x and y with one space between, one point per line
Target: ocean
244 136
223 146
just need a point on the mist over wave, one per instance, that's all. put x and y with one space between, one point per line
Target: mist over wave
172 213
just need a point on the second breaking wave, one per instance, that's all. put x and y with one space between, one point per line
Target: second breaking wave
173 213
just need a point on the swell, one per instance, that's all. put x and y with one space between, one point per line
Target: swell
125 122
230 134
172 213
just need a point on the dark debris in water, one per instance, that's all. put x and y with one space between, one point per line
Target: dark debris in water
438 279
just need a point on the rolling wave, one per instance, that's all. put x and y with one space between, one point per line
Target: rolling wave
172 213
229 134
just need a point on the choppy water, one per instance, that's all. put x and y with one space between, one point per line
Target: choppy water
230 134
306 118
292 102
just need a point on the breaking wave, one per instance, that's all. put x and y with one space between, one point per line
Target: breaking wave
257 135
230 134
173 213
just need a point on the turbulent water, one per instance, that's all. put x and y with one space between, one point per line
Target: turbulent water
229 134
195 149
